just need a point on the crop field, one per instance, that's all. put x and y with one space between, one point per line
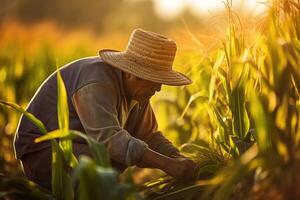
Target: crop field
239 120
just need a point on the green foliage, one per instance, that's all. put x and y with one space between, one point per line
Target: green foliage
30 116
61 179
253 98
96 182
62 151
63 116
209 159
275 116
20 188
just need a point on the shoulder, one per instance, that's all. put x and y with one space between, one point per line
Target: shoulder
91 69
93 62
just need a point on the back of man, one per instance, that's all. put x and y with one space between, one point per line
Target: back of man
44 103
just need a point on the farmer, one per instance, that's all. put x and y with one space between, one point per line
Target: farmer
108 98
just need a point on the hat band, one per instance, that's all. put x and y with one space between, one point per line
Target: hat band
154 53
156 64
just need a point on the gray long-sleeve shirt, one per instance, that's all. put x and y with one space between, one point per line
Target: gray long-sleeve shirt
98 107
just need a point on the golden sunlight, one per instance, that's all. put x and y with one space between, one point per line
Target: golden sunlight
170 9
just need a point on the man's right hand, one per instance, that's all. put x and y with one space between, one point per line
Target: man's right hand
180 168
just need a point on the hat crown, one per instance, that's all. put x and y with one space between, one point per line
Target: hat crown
151 50
148 56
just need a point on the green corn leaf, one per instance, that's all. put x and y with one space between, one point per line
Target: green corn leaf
159 182
38 123
61 180
62 156
226 80
227 56
240 122
244 78
22 189
262 128
62 103
99 153
221 135
224 182
58 134
199 95
96 182
198 144
225 146
98 150
294 64
221 120
63 116
218 63
234 152
282 114
52 135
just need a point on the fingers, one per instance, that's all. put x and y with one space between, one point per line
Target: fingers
190 168
184 170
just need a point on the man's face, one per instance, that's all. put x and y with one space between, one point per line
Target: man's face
140 89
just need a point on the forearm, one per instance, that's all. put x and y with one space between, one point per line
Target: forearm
152 159
162 145
180 168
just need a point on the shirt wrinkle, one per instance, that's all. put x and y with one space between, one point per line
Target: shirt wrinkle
117 141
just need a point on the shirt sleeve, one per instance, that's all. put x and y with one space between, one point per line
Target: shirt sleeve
96 106
146 130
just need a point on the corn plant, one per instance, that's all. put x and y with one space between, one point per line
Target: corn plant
19 188
273 163
252 97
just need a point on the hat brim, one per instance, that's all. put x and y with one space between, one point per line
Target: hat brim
119 60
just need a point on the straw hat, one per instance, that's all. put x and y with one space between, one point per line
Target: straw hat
148 56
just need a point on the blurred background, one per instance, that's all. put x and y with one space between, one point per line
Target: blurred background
36 35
